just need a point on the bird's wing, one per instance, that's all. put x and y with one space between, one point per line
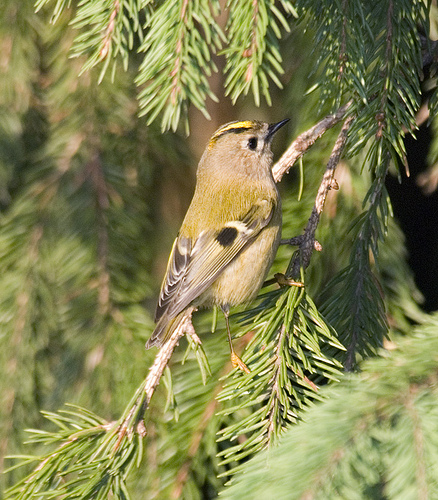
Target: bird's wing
194 265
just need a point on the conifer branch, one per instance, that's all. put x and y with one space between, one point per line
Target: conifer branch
181 37
109 32
164 354
305 140
157 369
343 48
250 61
275 391
115 445
253 41
175 74
381 116
307 245
373 433
22 300
362 278
355 332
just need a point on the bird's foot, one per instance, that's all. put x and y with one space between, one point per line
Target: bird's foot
238 363
282 280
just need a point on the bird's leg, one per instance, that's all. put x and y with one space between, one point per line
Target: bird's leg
235 360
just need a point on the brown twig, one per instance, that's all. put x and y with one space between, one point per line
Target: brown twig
164 354
304 141
307 244
135 415
109 32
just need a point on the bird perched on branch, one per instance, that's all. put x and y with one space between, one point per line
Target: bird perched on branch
231 231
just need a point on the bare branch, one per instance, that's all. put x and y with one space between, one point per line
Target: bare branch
164 354
307 244
305 140
134 418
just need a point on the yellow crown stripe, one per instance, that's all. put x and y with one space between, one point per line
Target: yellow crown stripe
247 124
232 125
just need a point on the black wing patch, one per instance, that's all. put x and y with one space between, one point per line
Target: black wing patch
226 236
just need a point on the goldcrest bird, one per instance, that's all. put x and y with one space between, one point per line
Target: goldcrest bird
231 232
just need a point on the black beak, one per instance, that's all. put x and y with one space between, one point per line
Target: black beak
273 127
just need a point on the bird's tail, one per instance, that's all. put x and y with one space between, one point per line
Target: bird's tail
164 329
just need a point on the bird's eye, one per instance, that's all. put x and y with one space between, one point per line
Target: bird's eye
252 143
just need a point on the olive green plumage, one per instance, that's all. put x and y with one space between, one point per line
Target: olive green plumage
231 231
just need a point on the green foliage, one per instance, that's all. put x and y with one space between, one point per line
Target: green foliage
378 63
177 63
178 40
92 462
252 55
85 195
108 29
290 356
374 436
371 51
359 313
74 230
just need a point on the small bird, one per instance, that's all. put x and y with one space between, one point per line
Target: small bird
231 232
